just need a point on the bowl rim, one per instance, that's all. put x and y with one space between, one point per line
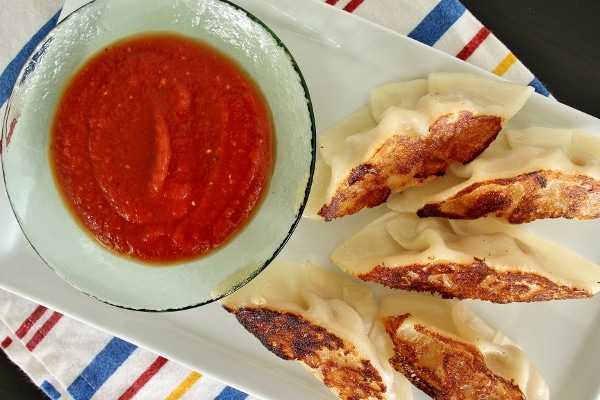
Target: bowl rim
26 69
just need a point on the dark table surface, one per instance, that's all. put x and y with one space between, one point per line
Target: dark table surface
559 41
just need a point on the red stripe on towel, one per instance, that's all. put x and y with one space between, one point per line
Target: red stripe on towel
473 44
144 378
352 5
28 323
331 2
43 331
6 342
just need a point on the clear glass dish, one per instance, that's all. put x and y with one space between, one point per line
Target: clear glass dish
50 227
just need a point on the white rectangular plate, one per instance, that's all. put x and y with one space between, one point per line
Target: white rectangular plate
342 57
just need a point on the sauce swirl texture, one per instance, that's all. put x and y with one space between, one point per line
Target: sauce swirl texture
162 147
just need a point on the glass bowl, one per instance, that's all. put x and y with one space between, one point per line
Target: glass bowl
52 229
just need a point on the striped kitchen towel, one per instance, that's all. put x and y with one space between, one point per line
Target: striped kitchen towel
447 26
68 359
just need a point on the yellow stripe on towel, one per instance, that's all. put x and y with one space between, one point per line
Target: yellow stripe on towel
184 386
505 64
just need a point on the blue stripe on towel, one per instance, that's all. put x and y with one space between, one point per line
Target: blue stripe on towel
230 393
50 390
437 22
100 369
539 87
10 74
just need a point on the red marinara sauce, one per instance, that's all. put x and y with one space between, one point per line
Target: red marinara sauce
162 147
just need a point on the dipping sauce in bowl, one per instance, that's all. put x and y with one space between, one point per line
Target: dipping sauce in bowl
177 133
162 147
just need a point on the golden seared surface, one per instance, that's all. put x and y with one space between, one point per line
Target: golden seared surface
444 368
473 281
330 358
523 198
404 161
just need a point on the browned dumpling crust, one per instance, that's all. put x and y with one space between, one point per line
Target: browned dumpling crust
475 280
404 161
524 175
447 351
523 198
445 368
336 361
327 322
486 259
407 135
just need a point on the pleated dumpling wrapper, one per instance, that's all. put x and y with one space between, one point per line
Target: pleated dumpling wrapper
526 174
408 135
485 259
326 321
447 351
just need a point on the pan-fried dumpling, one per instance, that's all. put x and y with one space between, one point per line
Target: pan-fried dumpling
445 350
483 259
524 175
372 153
327 322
